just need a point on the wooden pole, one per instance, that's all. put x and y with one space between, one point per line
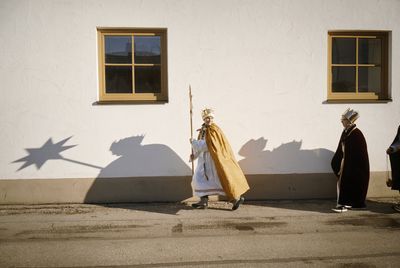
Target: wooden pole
191 124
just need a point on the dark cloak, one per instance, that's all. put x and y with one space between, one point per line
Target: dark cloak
395 163
354 178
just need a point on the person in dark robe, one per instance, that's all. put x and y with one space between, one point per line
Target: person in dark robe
394 154
350 164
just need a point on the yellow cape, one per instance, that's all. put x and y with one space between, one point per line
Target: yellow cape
229 172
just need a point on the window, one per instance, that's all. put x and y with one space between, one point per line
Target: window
358 65
132 65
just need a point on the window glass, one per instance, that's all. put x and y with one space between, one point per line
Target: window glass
118 79
343 50
147 49
369 79
369 51
147 79
343 79
118 49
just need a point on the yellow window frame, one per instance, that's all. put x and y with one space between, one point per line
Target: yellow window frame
132 97
359 96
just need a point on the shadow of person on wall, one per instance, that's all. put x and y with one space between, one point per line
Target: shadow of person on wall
126 180
287 158
287 172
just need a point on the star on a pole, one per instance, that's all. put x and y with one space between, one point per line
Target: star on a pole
48 151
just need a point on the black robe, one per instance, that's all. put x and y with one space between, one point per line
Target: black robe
354 178
395 163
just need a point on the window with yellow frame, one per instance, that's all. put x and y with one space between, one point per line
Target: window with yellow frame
358 65
132 65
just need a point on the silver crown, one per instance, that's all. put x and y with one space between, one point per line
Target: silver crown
350 115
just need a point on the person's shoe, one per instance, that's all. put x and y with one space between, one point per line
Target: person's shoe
237 203
346 206
340 209
202 204
199 205
396 207
359 208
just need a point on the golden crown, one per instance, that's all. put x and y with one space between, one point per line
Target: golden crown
207 112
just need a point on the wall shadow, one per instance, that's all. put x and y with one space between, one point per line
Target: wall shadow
287 172
136 159
48 151
287 158
124 180
280 173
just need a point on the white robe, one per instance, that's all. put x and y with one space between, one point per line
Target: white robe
205 179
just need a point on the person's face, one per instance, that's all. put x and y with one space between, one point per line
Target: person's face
345 122
208 120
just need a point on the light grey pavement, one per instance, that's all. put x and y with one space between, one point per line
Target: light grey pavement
301 233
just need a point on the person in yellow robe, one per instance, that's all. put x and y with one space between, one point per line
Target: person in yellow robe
217 171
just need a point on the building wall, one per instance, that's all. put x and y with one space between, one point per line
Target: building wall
262 65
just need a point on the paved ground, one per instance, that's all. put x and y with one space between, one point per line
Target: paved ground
260 234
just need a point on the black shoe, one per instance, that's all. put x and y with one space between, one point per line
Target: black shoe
237 203
359 208
396 207
340 209
199 205
202 204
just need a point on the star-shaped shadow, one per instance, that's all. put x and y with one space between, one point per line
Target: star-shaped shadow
39 156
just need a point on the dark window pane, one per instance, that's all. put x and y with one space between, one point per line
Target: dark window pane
148 49
147 79
369 51
343 79
369 79
343 50
118 79
118 49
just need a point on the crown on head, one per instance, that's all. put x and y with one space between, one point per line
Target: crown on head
350 115
207 112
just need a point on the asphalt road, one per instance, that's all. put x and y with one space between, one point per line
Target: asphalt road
304 233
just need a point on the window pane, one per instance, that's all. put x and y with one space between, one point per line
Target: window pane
369 51
369 79
147 79
118 49
118 79
148 49
343 50
343 79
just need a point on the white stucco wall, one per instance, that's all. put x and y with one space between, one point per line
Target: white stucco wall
262 65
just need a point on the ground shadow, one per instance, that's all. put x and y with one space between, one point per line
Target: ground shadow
313 205
171 208
126 180
381 205
376 205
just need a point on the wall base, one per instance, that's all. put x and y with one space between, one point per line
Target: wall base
173 189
